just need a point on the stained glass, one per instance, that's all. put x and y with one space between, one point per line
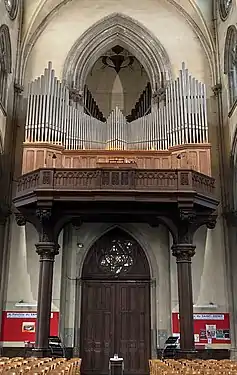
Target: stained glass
225 6
12 6
117 257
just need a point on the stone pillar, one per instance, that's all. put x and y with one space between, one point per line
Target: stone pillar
184 253
47 252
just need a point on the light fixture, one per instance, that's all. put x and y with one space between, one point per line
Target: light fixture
25 304
211 305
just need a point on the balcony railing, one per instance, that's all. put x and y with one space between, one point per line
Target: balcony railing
137 180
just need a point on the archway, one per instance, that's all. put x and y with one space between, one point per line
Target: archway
117 29
117 79
115 305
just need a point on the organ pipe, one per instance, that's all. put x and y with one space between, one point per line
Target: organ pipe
53 118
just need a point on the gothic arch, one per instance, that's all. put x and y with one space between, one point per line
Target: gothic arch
112 30
40 20
230 64
233 174
5 41
5 61
138 236
125 259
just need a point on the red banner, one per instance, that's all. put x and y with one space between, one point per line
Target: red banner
20 325
208 327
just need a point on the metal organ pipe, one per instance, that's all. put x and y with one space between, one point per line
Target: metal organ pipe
53 118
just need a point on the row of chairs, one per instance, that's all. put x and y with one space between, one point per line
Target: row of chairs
194 367
36 366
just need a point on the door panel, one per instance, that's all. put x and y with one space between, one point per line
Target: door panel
116 319
97 327
133 326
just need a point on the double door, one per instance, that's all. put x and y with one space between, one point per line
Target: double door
115 319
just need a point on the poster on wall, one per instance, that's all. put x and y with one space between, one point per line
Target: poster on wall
28 327
20 326
211 328
196 337
211 331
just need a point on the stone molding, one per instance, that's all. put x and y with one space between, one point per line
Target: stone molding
41 20
111 30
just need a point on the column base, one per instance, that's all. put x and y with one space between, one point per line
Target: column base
41 353
186 354
233 354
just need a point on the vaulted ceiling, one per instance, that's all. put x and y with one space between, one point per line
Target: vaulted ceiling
39 14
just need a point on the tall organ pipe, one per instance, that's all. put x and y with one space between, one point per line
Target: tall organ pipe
180 119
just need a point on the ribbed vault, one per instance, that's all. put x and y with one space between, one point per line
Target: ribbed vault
105 34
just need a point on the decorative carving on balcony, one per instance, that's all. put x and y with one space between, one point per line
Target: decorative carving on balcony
106 179
28 181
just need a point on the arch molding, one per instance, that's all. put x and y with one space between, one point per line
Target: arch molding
130 34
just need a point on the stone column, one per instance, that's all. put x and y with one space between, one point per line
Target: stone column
184 253
47 252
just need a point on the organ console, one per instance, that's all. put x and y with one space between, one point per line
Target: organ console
53 118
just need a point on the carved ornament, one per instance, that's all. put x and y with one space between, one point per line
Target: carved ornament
47 250
187 215
183 252
20 219
46 226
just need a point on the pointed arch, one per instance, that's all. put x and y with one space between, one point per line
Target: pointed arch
233 174
230 67
116 255
41 19
103 35
5 61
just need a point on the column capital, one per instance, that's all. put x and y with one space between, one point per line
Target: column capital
47 250
46 227
189 222
183 252
20 219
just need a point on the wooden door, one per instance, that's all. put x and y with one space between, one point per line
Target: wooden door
97 326
132 326
115 306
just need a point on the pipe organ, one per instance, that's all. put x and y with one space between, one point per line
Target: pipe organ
181 118
143 105
90 106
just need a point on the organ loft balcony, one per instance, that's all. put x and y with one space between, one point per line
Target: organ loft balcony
156 148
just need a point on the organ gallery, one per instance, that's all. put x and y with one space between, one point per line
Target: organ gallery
118 152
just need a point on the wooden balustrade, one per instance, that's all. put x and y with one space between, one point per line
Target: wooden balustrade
137 180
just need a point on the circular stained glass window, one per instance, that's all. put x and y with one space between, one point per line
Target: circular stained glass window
118 257
12 7
225 6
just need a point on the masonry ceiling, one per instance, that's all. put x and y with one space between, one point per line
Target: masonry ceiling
40 12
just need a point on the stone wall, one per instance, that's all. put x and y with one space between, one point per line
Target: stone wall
186 35
76 242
